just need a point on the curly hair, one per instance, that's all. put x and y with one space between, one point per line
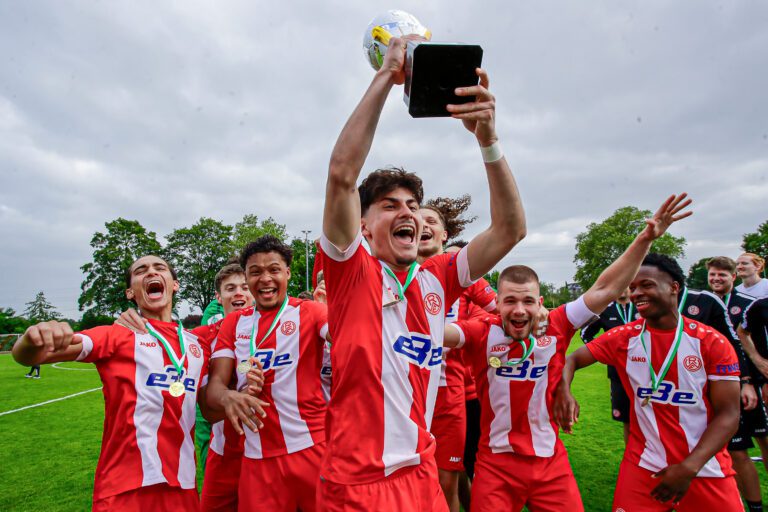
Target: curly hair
266 243
383 181
667 265
451 212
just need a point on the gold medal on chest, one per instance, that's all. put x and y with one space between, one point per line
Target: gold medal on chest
176 389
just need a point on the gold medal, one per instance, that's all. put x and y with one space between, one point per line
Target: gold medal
244 367
176 389
494 361
645 401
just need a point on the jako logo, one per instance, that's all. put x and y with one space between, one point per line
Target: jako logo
454 459
147 343
638 359
499 348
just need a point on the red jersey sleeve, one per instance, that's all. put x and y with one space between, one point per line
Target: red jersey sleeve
225 338
344 270
453 272
471 332
482 295
603 348
99 343
475 312
721 362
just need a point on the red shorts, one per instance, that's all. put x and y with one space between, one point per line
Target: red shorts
414 488
153 497
633 493
449 426
283 483
508 481
222 475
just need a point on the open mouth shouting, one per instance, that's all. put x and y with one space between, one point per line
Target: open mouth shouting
268 294
405 234
426 235
155 289
239 304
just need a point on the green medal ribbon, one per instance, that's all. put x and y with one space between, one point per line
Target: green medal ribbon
726 299
682 301
527 349
657 379
620 309
178 362
271 327
408 279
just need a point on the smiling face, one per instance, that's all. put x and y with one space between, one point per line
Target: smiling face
267 275
654 293
518 306
152 286
234 294
746 268
433 234
720 281
392 225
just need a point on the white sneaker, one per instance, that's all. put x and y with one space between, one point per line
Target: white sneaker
28 376
36 377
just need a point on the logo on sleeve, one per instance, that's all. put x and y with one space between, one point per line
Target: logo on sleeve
692 363
288 328
194 350
725 369
432 303
693 310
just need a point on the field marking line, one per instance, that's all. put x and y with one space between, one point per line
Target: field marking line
55 365
49 401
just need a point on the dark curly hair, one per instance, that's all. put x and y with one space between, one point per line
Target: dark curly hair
383 181
266 243
451 213
667 265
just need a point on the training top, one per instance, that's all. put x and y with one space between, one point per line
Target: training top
385 358
148 434
756 324
292 359
665 430
516 401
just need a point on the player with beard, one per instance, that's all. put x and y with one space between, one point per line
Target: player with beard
617 313
147 459
285 337
442 221
387 313
521 461
721 274
749 266
683 378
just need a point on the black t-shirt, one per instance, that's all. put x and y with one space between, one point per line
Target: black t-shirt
756 323
615 315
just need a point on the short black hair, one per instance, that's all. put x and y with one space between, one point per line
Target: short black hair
266 243
667 265
383 181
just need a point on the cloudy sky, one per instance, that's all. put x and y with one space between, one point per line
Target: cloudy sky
164 112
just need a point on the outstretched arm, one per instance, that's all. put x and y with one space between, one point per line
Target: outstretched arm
620 273
47 342
507 216
565 408
341 217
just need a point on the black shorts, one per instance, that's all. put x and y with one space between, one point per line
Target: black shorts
619 398
473 436
752 423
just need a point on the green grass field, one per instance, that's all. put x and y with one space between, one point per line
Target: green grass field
48 454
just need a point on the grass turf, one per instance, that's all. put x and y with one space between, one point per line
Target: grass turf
48 454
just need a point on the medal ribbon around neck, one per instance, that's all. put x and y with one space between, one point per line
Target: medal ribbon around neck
527 349
178 362
682 302
620 309
408 279
271 327
657 379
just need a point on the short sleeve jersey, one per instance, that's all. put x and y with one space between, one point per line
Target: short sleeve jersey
516 400
756 323
148 434
292 359
759 290
664 431
386 357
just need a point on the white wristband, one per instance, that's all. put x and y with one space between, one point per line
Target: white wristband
492 153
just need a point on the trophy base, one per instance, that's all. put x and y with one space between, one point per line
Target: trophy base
432 73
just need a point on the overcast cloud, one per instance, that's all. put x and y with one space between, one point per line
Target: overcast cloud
164 112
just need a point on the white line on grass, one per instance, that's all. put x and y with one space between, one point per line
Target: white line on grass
50 401
55 365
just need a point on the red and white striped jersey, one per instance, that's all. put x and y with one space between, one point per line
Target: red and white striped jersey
665 431
148 434
516 401
386 359
292 357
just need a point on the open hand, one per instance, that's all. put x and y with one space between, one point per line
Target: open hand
132 319
667 214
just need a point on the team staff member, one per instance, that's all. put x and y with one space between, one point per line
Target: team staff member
683 378
286 338
147 459
618 313
386 314
521 460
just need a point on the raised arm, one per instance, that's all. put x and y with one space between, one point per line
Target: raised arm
341 217
507 227
47 342
620 273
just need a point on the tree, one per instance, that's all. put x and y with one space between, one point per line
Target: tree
602 243
757 242
103 290
91 319
40 310
493 279
249 229
198 252
554 296
697 275
12 324
298 282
